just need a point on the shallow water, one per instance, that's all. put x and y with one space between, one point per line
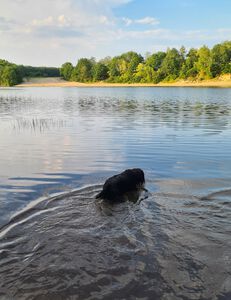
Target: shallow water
173 245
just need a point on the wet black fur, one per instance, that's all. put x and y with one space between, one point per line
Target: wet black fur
118 185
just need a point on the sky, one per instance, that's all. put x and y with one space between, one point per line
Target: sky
51 32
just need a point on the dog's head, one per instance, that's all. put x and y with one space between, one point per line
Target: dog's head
137 175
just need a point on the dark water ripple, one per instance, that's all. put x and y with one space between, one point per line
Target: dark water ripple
170 246
70 246
173 245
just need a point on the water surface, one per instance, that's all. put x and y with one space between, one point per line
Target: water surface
174 245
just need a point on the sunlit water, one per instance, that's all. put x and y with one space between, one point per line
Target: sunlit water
173 245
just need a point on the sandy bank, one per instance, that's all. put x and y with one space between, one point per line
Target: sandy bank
58 82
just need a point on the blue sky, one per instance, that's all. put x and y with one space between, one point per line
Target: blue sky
51 32
181 14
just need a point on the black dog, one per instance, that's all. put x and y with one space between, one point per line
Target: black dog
116 187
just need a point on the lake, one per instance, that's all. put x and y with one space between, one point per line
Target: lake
58 146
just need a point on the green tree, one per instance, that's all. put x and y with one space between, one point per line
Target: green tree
9 76
188 69
105 61
221 59
100 72
66 70
203 65
183 52
123 68
155 60
144 73
171 65
29 71
114 71
83 72
132 59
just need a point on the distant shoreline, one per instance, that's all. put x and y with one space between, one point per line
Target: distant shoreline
58 82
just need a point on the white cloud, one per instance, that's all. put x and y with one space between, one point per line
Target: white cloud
58 12
148 21
50 32
61 21
106 21
47 21
28 27
143 21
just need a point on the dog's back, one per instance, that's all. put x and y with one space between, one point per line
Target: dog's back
116 186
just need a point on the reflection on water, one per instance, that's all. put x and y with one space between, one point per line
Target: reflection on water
173 245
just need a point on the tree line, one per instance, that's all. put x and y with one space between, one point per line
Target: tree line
131 67
12 74
171 65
